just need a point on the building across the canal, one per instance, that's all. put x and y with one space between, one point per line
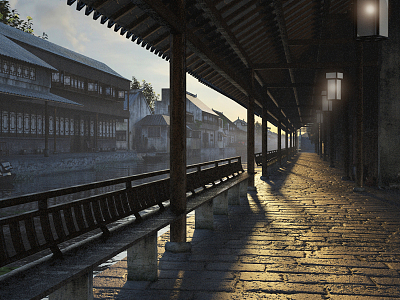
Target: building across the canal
80 98
205 128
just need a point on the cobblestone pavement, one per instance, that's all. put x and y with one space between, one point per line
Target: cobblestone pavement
303 235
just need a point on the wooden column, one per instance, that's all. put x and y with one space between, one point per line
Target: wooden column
250 135
178 131
46 130
360 122
332 154
250 142
264 143
346 140
286 144
279 144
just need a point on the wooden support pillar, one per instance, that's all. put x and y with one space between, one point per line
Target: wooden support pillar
320 139
360 122
332 153
46 129
286 144
250 143
324 131
279 144
346 141
178 132
264 144
250 136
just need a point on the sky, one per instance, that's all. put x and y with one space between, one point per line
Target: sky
73 30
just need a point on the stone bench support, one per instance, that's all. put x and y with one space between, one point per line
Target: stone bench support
234 195
142 259
220 204
204 217
243 189
78 289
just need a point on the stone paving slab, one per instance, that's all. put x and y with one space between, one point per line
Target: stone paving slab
303 235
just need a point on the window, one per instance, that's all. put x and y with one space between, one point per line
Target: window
13 69
5 66
55 77
32 74
108 91
90 86
67 80
26 72
121 94
154 131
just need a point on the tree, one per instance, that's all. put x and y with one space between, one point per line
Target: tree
148 91
11 17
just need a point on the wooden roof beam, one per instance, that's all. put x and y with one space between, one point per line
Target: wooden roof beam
127 9
99 4
284 38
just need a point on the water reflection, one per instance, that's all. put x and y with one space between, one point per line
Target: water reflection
34 184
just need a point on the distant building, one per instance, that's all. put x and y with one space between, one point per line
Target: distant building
241 124
84 97
203 124
154 133
230 132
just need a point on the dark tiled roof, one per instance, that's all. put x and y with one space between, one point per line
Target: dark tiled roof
154 120
10 49
33 94
16 34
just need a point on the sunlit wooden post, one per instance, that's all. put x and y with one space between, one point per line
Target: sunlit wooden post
279 144
264 143
178 131
286 144
250 136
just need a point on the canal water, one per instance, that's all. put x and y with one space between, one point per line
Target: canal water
103 171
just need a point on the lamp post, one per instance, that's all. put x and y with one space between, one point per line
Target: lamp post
371 25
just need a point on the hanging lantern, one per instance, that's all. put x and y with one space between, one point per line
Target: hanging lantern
372 19
334 80
326 104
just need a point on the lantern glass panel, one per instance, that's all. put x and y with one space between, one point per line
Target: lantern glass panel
372 18
331 89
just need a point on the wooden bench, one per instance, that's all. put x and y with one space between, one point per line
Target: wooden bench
48 227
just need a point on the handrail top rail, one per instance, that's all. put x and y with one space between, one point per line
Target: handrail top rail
13 201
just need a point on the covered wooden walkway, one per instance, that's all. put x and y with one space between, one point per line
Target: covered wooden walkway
302 235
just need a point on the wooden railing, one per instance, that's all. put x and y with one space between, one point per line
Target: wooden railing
46 226
271 155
